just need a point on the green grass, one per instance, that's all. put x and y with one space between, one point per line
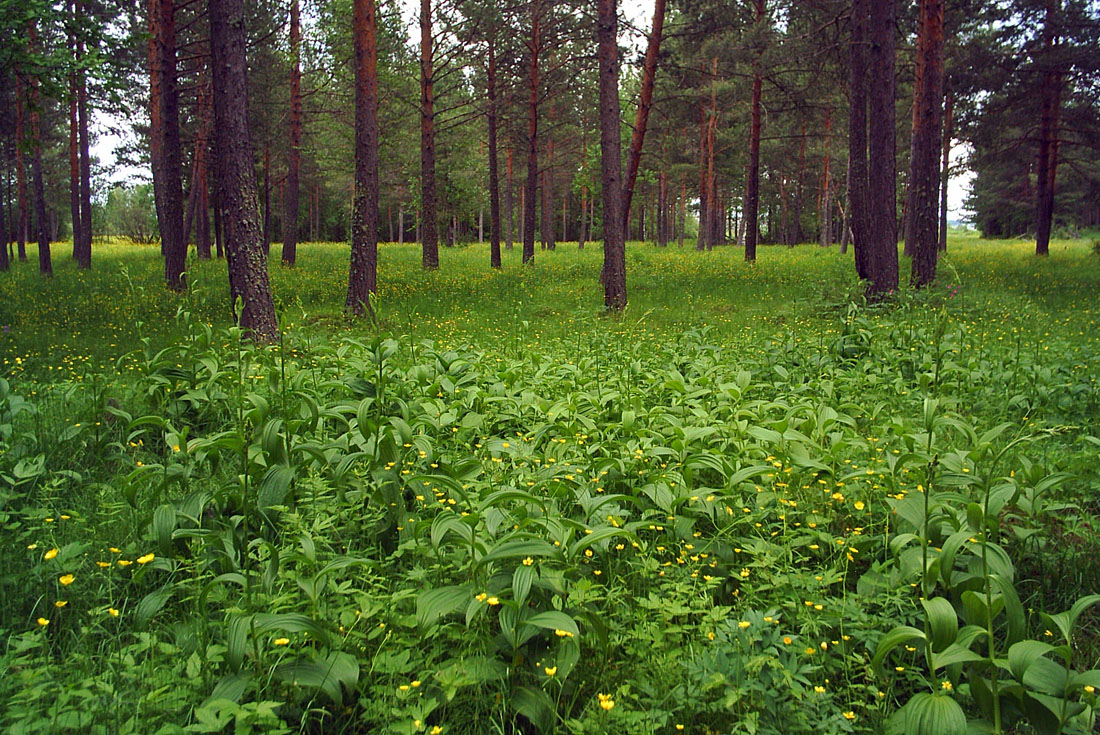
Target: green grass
505 511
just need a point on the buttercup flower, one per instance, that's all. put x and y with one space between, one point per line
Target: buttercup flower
43 622
66 579
52 553
146 559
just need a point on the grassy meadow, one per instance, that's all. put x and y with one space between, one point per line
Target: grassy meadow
751 504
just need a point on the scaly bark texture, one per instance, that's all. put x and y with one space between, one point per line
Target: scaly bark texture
294 148
245 252
532 140
1050 104
23 224
614 248
645 103
362 275
429 238
924 173
84 257
752 184
857 138
164 140
882 151
74 145
45 263
494 174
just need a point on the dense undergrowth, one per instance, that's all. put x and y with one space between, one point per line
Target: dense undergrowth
505 514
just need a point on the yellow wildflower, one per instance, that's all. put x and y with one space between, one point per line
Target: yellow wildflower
146 559
43 622
280 641
50 554
66 579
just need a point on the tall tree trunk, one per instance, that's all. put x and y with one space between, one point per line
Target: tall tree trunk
245 253
219 230
614 247
701 240
509 202
858 192
267 198
549 240
924 174
202 226
494 175
882 151
42 222
645 103
23 226
294 147
429 239
74 143
919 63
164 134
662 210
945 165
84 257
564 215
362 275
583 234
5 192
532 140
1050 101
683 209
799 189
825 214
713 204
752 187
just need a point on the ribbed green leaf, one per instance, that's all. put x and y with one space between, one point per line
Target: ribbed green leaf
896 637
934 714
943 621
554 620
442 601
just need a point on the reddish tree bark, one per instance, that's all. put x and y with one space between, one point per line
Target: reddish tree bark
614 248
362 276
713 204
924 173
294 148
645 103
245 253
164 145
494 174
532 140
429 238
